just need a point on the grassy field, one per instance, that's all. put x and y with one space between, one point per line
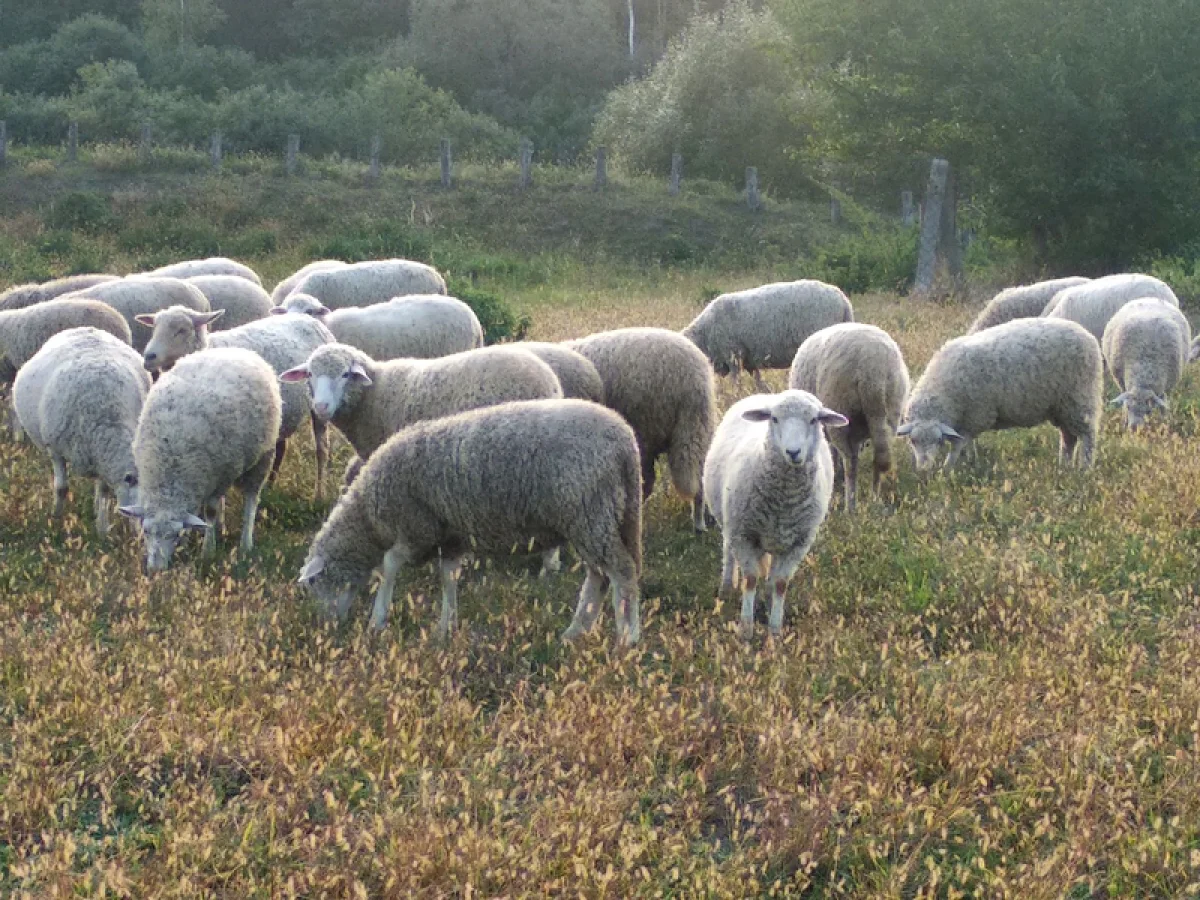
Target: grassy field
987 684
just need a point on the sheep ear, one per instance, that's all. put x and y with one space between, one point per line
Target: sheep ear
195 522
132 512
949 434
359 374
905 429
1119 400
319 311
311 570
146 319
279 310
201 319
832 419
293 376
756 415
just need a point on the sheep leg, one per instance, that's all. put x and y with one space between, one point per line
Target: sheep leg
252 484
60 483
729 571
387 586
551 563
101 504
1087 449
763 387
627 609
956 450
588 607
321 439
751 563
280 453
782 570
1066 446
648 475
213 513
449 617
699 523
851 484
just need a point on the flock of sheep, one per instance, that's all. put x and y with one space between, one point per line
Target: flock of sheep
463 449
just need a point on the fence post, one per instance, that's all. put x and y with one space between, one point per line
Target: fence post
601 168
835 210
447 161
72 142
931 226
216 151
376 152
526 156
752 198
676 174
948 243
144 144
908 210
293 154
3 143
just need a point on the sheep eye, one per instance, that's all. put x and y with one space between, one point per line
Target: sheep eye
131 480
347 374
774 420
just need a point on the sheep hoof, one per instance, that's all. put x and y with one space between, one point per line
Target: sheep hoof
746 631
727 592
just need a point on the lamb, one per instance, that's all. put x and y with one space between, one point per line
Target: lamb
576 374
558 471
762 328
209 424
414 327
142 295
284 289
663 386
1024 302
1015 375
366 283
243 301
78 399
24 295
1094 303
283 342
1145 348
859 371
215 265
768 477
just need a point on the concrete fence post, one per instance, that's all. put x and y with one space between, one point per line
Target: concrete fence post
144 143
931 226
447 162
293 154
526 160
676 174
217 151
601 168
376 167
753 201
3 143
835 210
72 142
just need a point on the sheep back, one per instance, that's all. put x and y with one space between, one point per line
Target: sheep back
575 372
285 287
215 265
1094 303
1022 302
24 331
146 295
366 283
25 295
414 327
243 300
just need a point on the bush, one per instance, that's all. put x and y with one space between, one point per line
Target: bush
380 239
81 211
499 321
110 103
878 259
50 66
1182 273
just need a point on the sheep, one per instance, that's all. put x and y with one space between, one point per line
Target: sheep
1146 345
768 479
209 424
413 327
142 295
663 386
762 328
1094 303
24 331
558 471
78 399
282 342
575 372
24 295
1015 375
366 283
1024 302
243 301
215 265
859 371
284 289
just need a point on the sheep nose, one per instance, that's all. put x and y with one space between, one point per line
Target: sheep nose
321 408
794 455
150 360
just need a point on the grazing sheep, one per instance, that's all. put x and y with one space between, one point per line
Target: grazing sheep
366 283
243 301
555 471
415 327
283 342
1146 345
78 399
209 424
762 328
1024 302
1015 375
285 287
24 331
215 265
768 478
142 295
663 386
859 371
1094 303
576 374
369 401
24 295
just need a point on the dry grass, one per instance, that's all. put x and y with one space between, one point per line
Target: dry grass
988 686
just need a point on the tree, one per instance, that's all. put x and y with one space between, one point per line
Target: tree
174 22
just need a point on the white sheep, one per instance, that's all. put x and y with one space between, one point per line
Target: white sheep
284 342
24 331
24 295
663 386
1094 303
859 371
1026 301
761 328
144 295
366 283
79 399
1015 375
284 288
768 479
414 327
243 301
1146 345
215 265
575 372
559 471
209 424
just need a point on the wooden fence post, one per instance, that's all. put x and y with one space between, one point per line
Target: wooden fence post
376 168
3 143
931 226
447 161
752 199
216 150
72 142
526 158
144 144
908 209
601 168
293 154
676 174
